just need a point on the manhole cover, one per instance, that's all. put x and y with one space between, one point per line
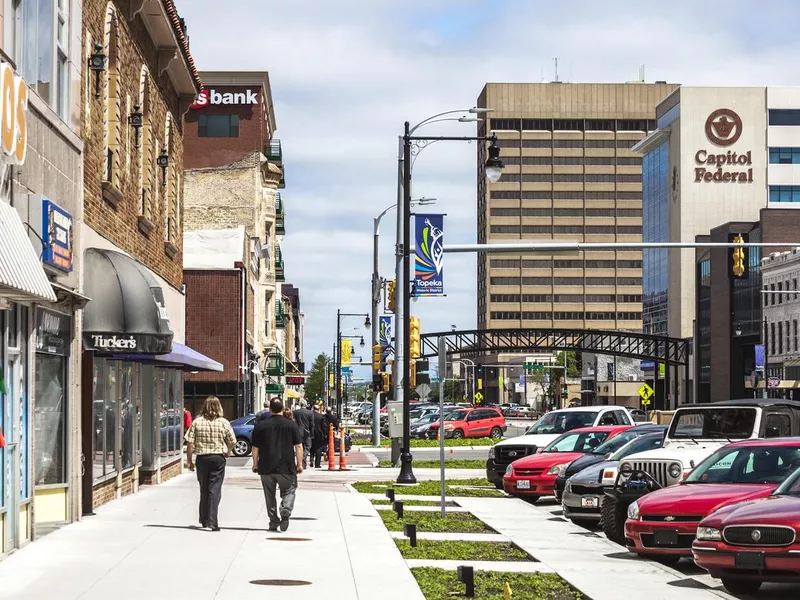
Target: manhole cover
280 582
289 539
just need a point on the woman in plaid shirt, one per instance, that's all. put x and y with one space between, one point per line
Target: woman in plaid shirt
211 438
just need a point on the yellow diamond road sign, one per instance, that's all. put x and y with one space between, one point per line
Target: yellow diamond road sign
646 393
478 396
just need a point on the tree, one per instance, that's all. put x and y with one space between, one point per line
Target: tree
315 384
452 391
573 363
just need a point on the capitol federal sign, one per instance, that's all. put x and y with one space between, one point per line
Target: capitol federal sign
723 128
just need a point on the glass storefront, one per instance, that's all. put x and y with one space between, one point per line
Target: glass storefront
655 221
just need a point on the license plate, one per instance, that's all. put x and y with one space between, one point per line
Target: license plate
589 502
523 484
666 538
750 560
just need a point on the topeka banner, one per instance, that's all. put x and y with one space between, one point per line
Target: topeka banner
429 255
385 331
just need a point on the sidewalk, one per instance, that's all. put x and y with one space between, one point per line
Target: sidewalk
143 546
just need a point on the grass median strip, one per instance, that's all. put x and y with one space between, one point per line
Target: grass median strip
441 584
430 522
416 443
387 502
458 550
452 463
453 487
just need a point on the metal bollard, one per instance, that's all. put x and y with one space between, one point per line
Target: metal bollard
398 508
331 450
410 531
390 494
342 457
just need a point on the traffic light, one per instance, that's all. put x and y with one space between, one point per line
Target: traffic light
377 354
479 376
422 366
564 391
387 382
377 381
738 256
413 332
392 296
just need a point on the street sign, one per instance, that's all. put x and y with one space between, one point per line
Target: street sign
773 382
345 370
646 392
645 402
478 396
423 389
533 367
547 378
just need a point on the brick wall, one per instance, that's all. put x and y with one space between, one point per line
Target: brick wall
103 493
232 204
218 151
213 317
120 224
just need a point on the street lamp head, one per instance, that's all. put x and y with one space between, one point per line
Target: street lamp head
367 324
737 329
494 166
424 201
352 351
255 370
477 110
362 342
469 119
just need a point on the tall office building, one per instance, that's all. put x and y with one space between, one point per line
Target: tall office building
570 175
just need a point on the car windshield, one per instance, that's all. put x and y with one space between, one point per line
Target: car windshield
559 422
790 487
577 442
713 423
757 464
456 415
615 443
640 444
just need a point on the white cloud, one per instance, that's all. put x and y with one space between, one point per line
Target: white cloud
346 74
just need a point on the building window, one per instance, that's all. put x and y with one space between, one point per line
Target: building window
145 148
784 193
503 124
782 117
794 327
772 338
784 156
780 338
112 127
218 126
780 296
105 418
788 338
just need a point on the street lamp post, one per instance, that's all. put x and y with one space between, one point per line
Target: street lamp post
472 378
338 354
494 169
251 366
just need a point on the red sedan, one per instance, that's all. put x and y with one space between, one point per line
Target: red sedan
749 543
663 524
535 476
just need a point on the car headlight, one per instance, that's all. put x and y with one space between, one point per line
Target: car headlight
510 469
675 470
491 452
633 511
557 469
709 534
626 467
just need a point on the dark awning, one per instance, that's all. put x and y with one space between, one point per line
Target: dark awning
181 356
127 312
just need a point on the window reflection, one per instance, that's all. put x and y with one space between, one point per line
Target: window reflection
127 415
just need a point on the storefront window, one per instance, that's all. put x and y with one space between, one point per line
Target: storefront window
106 394
171 414
127 414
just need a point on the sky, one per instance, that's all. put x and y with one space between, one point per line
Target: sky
346 74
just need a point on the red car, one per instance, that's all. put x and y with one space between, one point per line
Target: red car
471 422
663 524
748 543
535 476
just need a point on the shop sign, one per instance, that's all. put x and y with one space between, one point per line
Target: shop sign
13 114
127 343
56 236
723 128
53 332
213 97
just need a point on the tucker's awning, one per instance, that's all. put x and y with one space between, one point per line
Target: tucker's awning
127 313
181 356
22 276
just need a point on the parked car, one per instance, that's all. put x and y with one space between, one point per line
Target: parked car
603 452
523 412
507 409
696 432
243 431
663 524
547 429
535 476
420 427
583 496
748 543
471 422
638 415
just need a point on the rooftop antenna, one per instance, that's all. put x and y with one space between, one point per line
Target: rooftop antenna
641 73
556 61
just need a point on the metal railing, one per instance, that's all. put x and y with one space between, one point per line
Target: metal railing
274 152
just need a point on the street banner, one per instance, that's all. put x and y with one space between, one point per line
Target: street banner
429 255
759 357
346 351
331 383
385 330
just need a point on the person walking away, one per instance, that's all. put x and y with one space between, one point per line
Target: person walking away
187 420
264 413
305 421
332 419
211 438
278 458
319 437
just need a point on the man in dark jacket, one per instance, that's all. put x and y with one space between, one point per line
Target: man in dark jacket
305 421
319 436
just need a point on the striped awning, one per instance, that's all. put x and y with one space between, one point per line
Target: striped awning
22 276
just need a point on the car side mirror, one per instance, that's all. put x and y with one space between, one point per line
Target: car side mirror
772 432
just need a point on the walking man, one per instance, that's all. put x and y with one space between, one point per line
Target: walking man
211 438
319 438
278 458
263 414
305 421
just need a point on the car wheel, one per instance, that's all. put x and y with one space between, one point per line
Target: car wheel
458 434
740 586
614 515
496 433
242 447
499 486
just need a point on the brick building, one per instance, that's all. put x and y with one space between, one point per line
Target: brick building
133 336
231 148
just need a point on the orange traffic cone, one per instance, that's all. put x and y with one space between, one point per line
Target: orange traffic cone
331 450
342 457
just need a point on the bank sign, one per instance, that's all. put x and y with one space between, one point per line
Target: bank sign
211 97
719 164
56 236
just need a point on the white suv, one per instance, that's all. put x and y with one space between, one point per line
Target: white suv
547 429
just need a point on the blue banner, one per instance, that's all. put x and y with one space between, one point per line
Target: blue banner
759 357
385 330
429 255
56 236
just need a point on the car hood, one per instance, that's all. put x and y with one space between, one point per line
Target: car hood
586 460
545 460
592 474
777 510
679 453
540 440
699 498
